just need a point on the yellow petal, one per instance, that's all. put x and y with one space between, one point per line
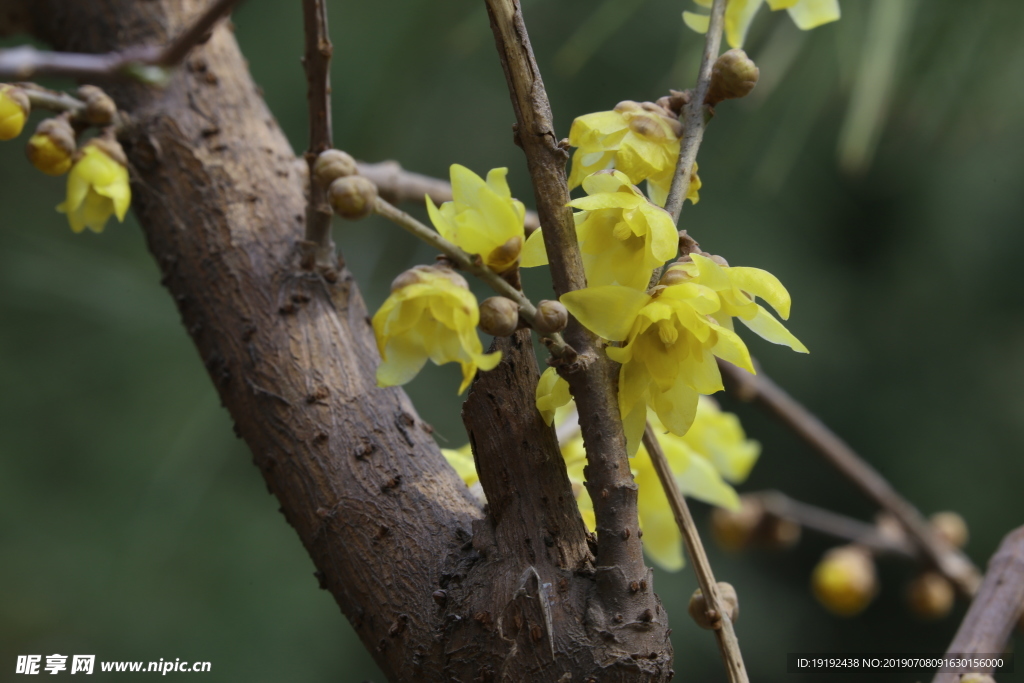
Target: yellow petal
662 541
403 359
767 327
739 14
781 4
730 348
697 22
676 408
703 482
808 14
552 393
461 460
607 311
763 284
534 252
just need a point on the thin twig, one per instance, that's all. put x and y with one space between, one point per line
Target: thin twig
555 343
953 564
824 521
995 609
53 100
695 114
592 380
725 634
397 185
317 62
26 62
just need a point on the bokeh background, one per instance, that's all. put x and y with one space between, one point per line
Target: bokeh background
877 170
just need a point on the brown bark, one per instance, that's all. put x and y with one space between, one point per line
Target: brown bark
435 590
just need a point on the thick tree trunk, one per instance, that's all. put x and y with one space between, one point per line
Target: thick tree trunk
435 590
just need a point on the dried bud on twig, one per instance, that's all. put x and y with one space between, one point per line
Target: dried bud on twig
734 75
734 530
100 110
701 612
551 317
352 197
930 596
333 164
499 316
950 527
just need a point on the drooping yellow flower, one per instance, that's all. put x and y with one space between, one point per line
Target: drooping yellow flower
736 288
641 140
482 217
668 354
552 394
97 187
739 14
14 108
51 149
431 314
719 437
623 237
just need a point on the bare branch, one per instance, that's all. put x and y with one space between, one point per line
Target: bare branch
397 185
728 645
996 607
317 61
26 62
953 564
696 114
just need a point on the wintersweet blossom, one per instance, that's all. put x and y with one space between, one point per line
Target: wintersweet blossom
482 217
739 14
670 342
641 140
736 288
13 111
552 394
97 187
623 237
431 314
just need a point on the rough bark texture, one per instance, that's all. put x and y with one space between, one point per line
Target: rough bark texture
388 524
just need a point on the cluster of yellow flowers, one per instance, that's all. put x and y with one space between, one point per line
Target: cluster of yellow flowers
739 14
97 186
714 452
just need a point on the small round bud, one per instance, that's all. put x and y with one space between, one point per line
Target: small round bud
734 75
14 111
551 317
627 105
99 108
352 197
734 530
51 148
702 613
499 316
950 527
930 596
845 581
778 533
333 164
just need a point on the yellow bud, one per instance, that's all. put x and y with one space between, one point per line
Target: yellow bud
499 316
734 530
551 317
930 596
734 75
845 581
628 105
52 148
950 527
14 110
99 108
333 164
704 616
352 197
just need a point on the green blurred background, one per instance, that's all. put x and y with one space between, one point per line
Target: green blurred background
877 170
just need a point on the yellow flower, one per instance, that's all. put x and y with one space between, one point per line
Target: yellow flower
806 14
668 355
14 110
719 437
430 314
736 288
623 236
552 394
641 140
51 148
482 217
97 187
461 460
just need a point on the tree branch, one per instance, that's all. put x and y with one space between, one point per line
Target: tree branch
696 114
949 561
728 645
996 607
317 62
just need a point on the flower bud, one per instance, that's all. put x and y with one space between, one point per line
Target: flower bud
950 527
628 105
930 595
14 110
699 607
99 108
499 316
733 530
551 317
734 75
845 581
778 533
674 276
333 164
352 197
52 147
413 276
